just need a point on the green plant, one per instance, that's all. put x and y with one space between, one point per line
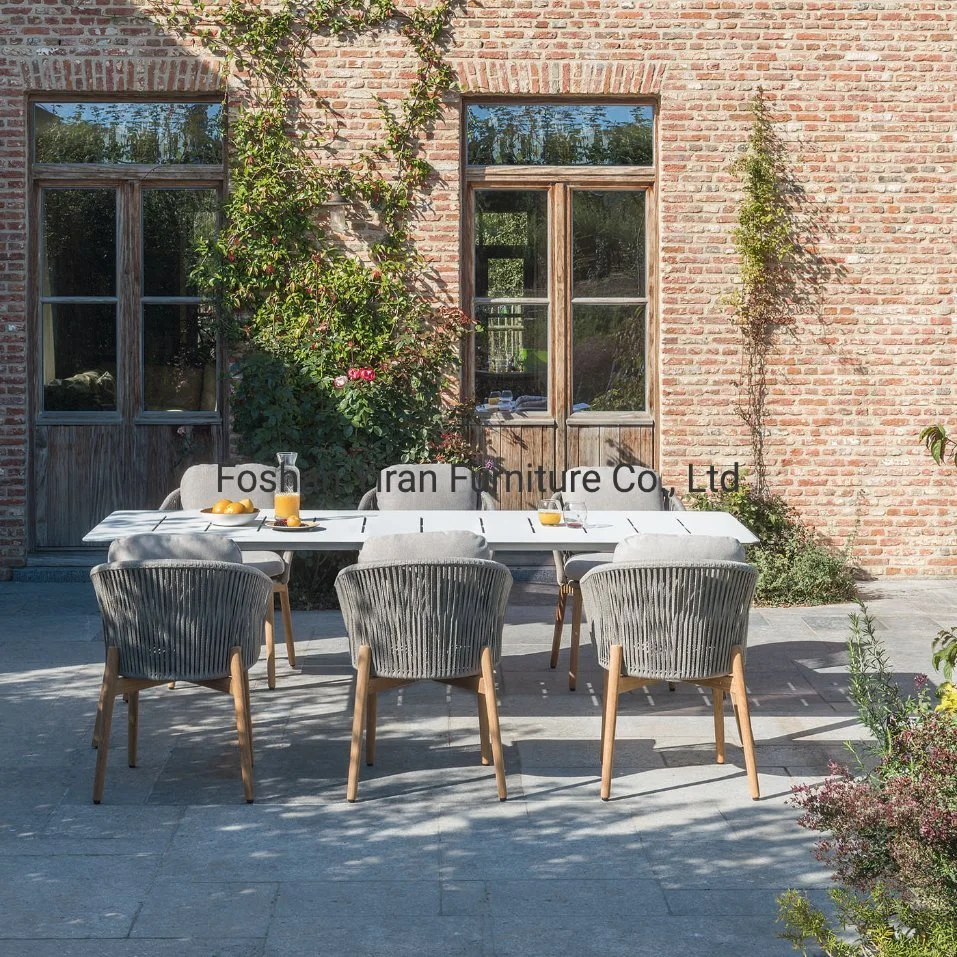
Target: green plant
793 567
940 445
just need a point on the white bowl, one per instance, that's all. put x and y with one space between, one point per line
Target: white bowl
241 518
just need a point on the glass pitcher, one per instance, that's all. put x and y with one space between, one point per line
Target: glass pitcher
286 502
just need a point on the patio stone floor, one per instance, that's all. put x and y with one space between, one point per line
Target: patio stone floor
428 862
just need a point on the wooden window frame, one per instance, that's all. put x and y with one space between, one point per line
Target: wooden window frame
129 180
559 182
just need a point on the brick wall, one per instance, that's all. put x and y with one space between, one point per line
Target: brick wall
869 90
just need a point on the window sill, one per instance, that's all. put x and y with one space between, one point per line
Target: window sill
584 419
88 417
178 418
517 419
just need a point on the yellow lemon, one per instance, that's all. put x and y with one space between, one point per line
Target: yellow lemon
220 507
294 521
247 504
234 508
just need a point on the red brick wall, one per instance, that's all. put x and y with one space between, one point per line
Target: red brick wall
868 91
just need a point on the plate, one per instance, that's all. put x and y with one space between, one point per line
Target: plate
305 527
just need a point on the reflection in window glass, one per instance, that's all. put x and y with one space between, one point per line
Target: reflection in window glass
159 133
79 242
175 221
79 357
608 358
608 244
511 244
179 358
556 134
511 352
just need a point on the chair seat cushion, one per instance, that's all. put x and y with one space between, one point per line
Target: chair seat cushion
577 565
424 546
268 562
188 547
679 548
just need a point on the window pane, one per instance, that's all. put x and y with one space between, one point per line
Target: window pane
608 358
608 244
511 352
174 222
79 242
128 133
79 357
179 358
511 244
555 134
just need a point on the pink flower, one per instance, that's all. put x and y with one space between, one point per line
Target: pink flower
355 374
340 381
367 374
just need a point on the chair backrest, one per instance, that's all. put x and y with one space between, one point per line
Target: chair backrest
419 546
175 619
674 620
615 488
646 547
204 485
192 547
426 619
429 487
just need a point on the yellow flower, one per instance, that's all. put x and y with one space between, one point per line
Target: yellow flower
948 697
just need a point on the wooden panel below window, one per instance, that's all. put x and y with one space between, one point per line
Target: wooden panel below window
610 445
520 449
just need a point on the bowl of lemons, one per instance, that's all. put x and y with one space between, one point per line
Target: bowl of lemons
229 513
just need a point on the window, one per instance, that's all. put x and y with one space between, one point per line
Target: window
125 195
559 257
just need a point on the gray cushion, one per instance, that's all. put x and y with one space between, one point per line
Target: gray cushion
430 487
577 565
200 486
679 548
607 496
424 546
144 548
268 562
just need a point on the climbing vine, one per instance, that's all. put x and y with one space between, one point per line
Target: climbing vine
342 354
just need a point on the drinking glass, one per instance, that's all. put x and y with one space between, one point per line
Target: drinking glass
286 501
494 398
506 397
576 514
550 512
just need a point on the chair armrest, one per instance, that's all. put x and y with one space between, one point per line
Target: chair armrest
368 503
172 503
487 503
672 502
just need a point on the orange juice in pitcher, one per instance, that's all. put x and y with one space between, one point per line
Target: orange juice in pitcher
286 502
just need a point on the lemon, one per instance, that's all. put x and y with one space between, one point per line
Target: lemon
234 508
220 507
247 504
294 521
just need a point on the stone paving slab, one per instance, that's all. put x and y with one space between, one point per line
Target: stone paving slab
428 861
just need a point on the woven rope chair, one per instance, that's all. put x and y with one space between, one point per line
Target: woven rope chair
425 621
570 567
200 488
434 490
178 620
673 622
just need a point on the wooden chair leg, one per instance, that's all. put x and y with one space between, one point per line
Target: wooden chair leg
494 729
610 715
100 706
107 699
717 698
271 643
358 714
740 698
287 624
133 725
483 729
576 636
249 716
371 712
238 691
559 624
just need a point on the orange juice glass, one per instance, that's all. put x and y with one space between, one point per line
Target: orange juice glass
550 513
287 504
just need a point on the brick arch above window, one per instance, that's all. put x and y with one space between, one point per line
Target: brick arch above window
558 77
123 75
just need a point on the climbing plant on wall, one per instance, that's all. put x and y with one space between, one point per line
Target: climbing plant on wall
341 353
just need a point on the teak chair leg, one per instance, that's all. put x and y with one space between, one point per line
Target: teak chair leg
133 725
100 706
107 698
610 717
483 729
559 624
717 699
740 698
576 636
371 709
249 716
358 714
287 623
271 643
495 731
238 691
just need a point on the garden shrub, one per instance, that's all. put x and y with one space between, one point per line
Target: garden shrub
794 568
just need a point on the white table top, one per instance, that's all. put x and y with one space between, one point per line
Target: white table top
342 530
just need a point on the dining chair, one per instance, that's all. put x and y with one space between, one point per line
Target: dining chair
570 567
435 487
681 618
424 607
201 487
177 608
